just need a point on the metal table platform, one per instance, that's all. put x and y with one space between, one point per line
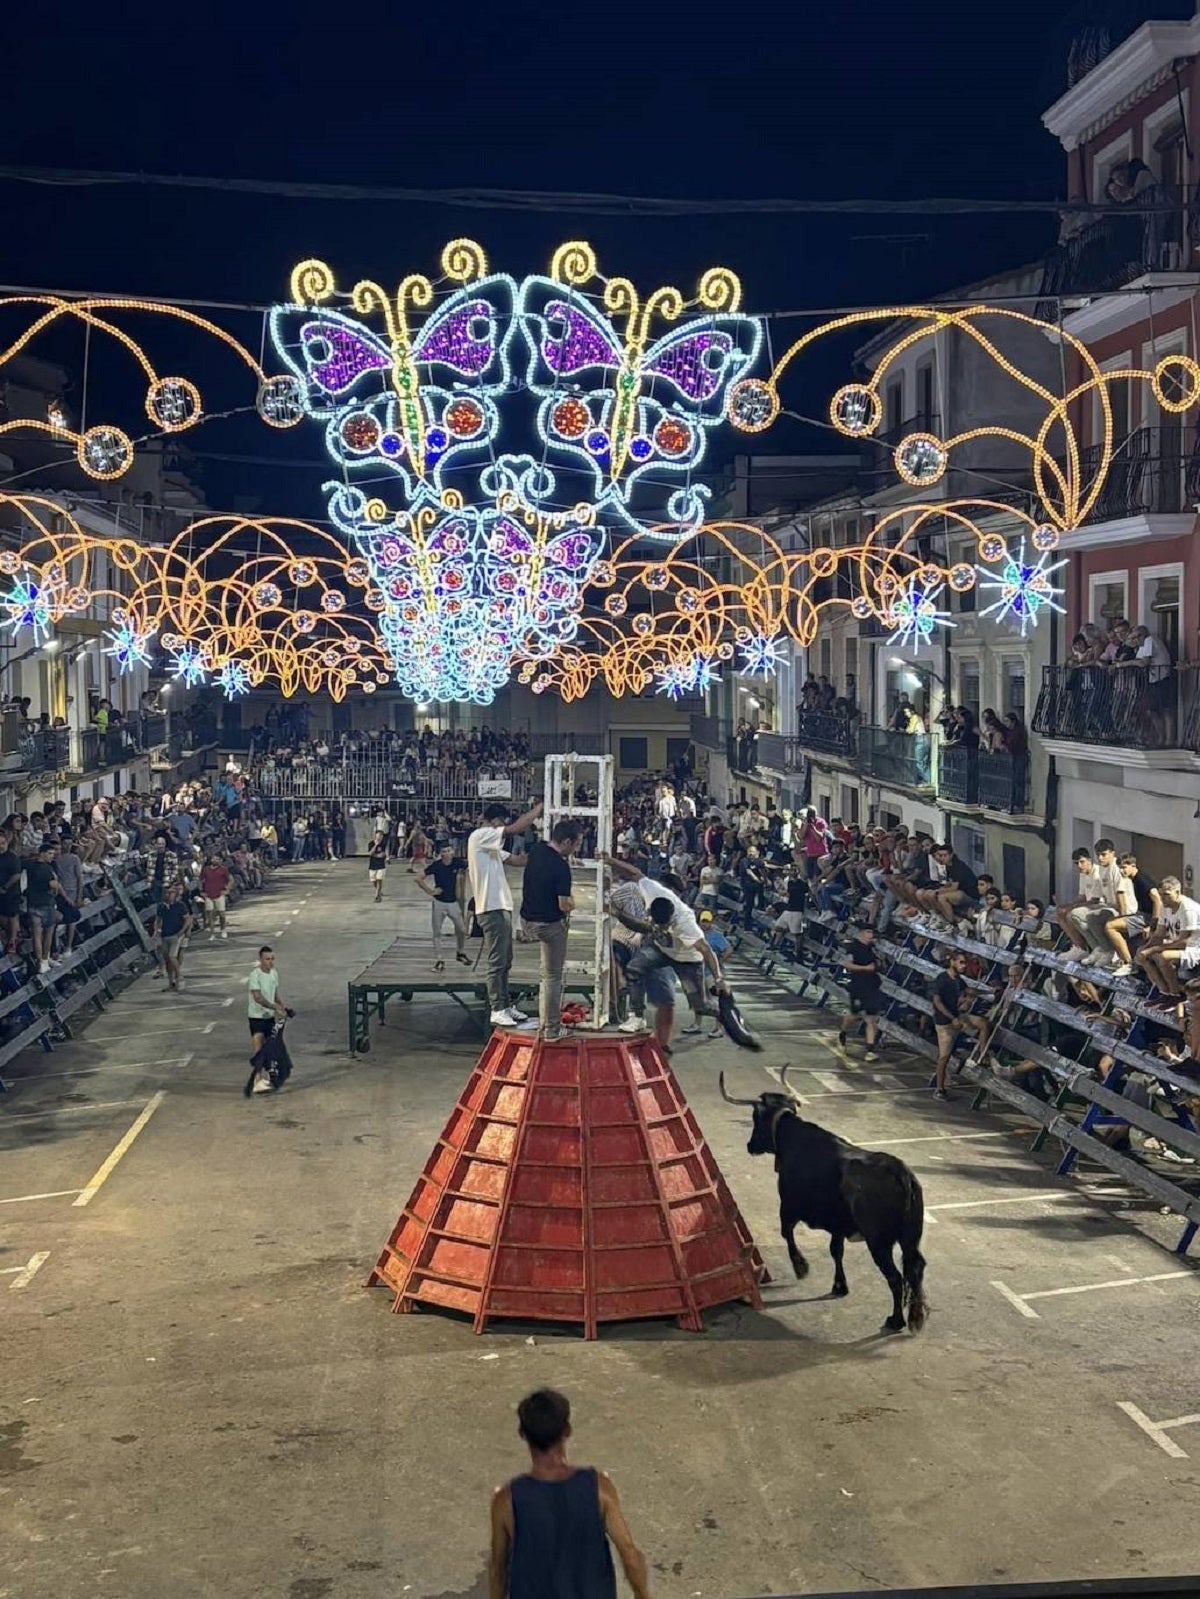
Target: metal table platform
406 968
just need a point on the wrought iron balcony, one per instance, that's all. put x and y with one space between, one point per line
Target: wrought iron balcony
1153 235
779 753
1004 781
709 732
1155 471
901 759
1119 705
828 732
45 749
958 774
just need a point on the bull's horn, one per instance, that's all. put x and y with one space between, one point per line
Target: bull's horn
783 1082
728 1098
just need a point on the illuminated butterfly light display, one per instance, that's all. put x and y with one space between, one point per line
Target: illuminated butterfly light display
481 563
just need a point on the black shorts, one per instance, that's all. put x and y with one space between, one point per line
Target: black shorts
69 913
10 904
864 1001
262 1024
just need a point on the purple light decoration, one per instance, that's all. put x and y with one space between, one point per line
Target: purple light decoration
684 363
581 345
349 356
571 550
453 341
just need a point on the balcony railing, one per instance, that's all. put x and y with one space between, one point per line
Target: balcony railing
1120 705
779 753
542 744
828 732
1109 252
45 749
901 759
388 780
958 774
1155 471
709 732
1004 781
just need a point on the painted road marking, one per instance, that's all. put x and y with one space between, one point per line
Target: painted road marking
63 1110
1010 1199
122 1038
226 1003
1020 1302
209 1028
23 1199
106 1170
828 1080
937 1138
22 1276
1158 1429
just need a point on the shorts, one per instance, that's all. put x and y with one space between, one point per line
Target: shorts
375 875
69 913
947 1032
659 983
1135 923
10 904
171 946
790 922
1189 958
865 1001
262 1024
217 904
43 916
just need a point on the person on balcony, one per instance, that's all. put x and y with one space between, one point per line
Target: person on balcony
1157 699
992 732
1015 736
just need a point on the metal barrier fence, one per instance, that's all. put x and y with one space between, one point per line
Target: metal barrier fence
1119 705
390 780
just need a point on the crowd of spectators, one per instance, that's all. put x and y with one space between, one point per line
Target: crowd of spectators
1119 678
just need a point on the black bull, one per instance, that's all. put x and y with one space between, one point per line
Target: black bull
847 1192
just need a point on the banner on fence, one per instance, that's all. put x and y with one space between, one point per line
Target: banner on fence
495 788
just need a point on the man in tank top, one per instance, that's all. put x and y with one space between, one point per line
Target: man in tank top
551 1527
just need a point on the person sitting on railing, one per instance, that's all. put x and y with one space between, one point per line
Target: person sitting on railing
1138 923
1172 952
1102 895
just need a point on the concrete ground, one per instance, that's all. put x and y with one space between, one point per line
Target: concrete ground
197 1396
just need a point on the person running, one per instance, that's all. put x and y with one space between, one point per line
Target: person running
377 860
486 856
546 905
551 1527
264 1009
440 882
949 1018
174 921
862 962
214 885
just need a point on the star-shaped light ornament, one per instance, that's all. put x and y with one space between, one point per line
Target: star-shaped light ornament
129 648
914 615
1025 588
762 656
190 666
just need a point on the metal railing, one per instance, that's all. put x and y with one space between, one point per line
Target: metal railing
383 780
780 753
543 744
709 732
1004 781
958 774
901 759
828 732
1120 705
1112 250
1155 471
45 749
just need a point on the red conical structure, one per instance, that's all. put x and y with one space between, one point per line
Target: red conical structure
571 1184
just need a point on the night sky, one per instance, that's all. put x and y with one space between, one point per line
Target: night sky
755 100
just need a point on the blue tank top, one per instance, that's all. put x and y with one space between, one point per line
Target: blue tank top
560 1549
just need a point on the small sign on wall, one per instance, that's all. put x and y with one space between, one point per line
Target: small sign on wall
495 788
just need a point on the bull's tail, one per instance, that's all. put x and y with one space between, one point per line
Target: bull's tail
913 1260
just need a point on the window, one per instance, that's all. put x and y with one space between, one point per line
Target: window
1012 688
968 686
677 750
925 405
634 755
849 811
1012 878
851 678
970 846
1107 597
826 657
895 406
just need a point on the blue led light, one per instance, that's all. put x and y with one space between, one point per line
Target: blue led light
1025 588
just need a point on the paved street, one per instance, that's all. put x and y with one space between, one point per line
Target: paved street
199 1397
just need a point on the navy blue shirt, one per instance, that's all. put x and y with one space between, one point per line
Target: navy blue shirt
559 1549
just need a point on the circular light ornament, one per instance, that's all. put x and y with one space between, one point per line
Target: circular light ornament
105 453
173 403
280 401
753 405
855 410
921 459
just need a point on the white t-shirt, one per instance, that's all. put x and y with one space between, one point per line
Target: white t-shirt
666 806
1153 649
267 984
486 856
1091 887
1112 885
710 879
683 929
1185 918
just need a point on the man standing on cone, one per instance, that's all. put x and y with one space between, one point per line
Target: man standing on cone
486 856
546 905
552 1526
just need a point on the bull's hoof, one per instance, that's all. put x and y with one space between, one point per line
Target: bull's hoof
800 1266
840 1290
894 1324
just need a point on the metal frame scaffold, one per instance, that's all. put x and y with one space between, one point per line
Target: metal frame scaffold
564 775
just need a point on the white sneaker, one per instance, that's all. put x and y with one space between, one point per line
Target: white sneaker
521 1015
631 1024
1125 969
262 1085
224 934
43 968
503 1018
212 938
